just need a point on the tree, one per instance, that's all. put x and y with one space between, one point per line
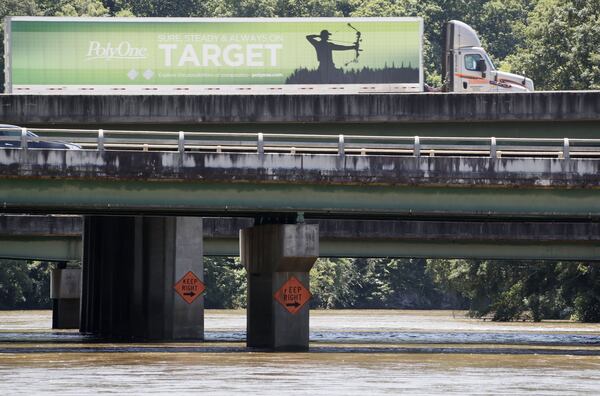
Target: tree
510 290
225 280
311 8
561 46
376 283
156 8
24 285
501 26
400 283
244 8
580 285
334 283
72 8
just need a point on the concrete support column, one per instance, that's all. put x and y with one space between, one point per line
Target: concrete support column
130 268
278 258
65 290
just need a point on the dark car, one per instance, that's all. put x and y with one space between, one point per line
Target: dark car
10 136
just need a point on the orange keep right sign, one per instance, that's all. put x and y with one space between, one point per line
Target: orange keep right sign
292 295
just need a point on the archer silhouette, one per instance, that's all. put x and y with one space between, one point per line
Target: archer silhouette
325 49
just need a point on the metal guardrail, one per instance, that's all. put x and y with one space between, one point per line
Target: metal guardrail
261 143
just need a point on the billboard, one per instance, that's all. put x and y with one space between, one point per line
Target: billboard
55 55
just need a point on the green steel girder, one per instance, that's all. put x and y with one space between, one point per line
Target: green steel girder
44 248
68 248
138 196
371 248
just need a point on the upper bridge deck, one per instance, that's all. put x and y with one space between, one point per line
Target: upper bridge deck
537 114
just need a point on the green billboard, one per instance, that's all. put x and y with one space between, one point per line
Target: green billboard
229 52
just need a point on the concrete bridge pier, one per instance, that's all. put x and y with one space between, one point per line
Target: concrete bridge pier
65 291
142 278
278 258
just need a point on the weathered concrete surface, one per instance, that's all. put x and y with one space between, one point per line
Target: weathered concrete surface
447 230
130 268
518 240
65 313
225 227
65 292
190 109
48 238
273 254
65 283
40 225
482 239
295 169
228 227
200 184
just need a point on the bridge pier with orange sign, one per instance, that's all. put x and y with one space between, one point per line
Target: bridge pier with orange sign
142 278
278 258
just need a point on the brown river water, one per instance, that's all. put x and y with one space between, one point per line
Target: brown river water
353 352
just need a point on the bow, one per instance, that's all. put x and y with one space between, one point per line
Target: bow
356 44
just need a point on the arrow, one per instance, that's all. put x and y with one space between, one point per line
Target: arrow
191 294
295 305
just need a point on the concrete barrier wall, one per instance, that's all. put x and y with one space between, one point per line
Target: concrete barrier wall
289 169
193 109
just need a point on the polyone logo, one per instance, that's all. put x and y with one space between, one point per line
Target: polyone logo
108 51
190 287
292 295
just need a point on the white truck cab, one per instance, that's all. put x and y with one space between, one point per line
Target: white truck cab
468 68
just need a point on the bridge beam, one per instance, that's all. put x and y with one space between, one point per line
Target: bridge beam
130 267
278 258
47 238
241 184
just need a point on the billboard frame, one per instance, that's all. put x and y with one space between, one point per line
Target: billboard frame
240 89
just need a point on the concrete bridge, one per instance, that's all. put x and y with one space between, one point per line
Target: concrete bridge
122 182
138 246
537 114
131 263
59 238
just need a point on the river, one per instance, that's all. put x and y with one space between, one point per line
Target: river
353 352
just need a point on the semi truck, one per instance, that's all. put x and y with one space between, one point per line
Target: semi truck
63 55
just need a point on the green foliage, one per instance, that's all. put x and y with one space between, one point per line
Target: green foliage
311 8
24 285
74 8
272 8
561 48
377 283
501 26
18 8
508 290
580 285
397 283
340 283
334 283
156 8
243 8
225 280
